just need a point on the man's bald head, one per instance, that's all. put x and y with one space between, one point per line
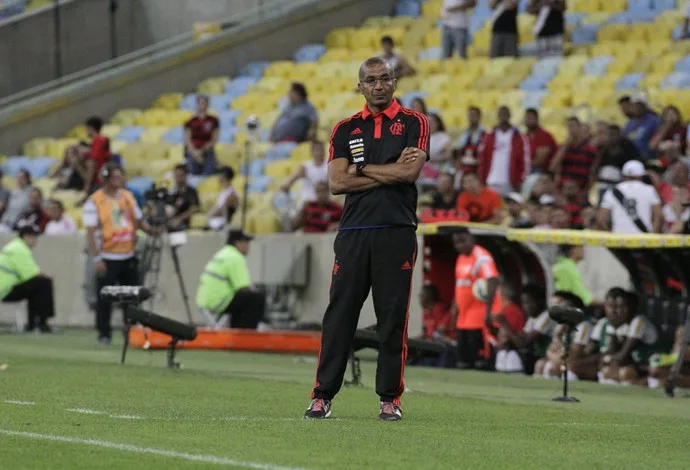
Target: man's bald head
375 63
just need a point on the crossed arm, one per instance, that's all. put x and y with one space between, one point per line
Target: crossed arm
342 177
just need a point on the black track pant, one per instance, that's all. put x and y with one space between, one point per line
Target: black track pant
38 291
247 309
118 272
381 260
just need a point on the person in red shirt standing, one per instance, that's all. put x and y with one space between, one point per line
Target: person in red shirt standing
200 138
575 159
542 145
97 155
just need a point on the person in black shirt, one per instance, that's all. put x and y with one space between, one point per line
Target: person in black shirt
375 158
186 201
445 197
504 33
549 26
612 155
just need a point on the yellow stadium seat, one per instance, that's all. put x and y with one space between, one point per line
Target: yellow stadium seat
168 101
613 5
153 135
39 147
126 117
69 198
78 132
36 4
432 9
364 38
58 147
144 152
339 37
584 6
272 85
213 86
428 67
432 38
613 32
335 54
279 69
157 168
117 146
395 32
279 169
198 221
407 84
176 153
263 222
434 82
665 64
110 130
303 72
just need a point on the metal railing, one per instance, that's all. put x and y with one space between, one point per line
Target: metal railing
265 10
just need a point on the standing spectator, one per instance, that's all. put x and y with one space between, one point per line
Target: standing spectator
566 276
504 32
19 200
642 126
398 62
456 23
685 32
575 159
222 211
504 157
670 142
439 143
34 214
542 145
632 206
549 26
4 195
445 197
481 204
200 138
471 138
311 173
298 121
186 201
97 156
614 152
574 202
418 105
60 223
320 215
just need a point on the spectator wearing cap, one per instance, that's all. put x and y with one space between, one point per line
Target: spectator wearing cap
614 152
576 157
298 121
482 204
632 206
514 207
21 279
504 156
542 145
222 211
670 141
225 286
200 138
543 214
455 21
445 197
400 65
642 126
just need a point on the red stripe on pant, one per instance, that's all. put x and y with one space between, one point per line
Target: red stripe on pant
407 320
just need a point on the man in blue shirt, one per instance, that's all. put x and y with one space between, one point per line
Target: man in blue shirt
642 126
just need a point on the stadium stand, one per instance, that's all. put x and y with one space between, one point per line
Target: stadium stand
613 48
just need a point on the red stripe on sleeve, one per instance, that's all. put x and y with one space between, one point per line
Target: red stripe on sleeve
331 150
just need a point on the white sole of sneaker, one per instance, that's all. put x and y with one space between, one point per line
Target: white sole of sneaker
328 415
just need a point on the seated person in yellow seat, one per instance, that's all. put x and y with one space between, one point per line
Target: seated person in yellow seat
225 285
21 279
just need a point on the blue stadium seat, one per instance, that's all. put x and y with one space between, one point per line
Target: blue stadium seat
254 69
40 167
227 135
533 99
597 65
406 99
228 118
535 83
240 85
663 5
140 183
585 34
174 136
259 184
15 8
676 80
574 19
637 5
547 67
280 151
130 134
683 65
433 53
629 81
408 8
12 165
309 53
256 168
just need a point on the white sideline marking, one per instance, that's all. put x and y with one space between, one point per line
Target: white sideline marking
86 411
127 417
19 402
146 450
620 425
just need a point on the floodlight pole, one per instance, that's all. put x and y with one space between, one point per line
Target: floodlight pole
564 368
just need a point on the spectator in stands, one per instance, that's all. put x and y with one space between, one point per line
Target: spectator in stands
467 143
200 138
71 173
298 121
400 65
516 217
320 215
222 211
455 21
559 219
670 140
445 197
629 342
97 155
482 204
418 105
632 206
677 175
544 185
613 153
642 126
601 134
4 195
504 31
576 157
566 275
542 217
21 279
626 105
19 200
542 145
549 27
186 201
676 211
504 157
439 143
311 173
34 214
504 329
685 31
573 202
60 223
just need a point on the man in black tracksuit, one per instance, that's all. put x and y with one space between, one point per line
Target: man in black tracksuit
375 158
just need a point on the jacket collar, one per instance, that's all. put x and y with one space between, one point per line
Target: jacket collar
391 111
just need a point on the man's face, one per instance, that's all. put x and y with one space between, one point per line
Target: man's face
610 308
117 179
293 97
571 189
574 130
614 135
242 246
90 131
387 48
471 183
377 84
679 175
514 208
531 121
560 218
464 243
503 115
22 179
54 211
529 305
31 240
445 183
544 185
180 177
627 108
318 152
622 311
473 117
639 109
201 105
35 198
322 195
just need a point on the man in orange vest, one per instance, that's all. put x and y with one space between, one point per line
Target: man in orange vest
112 218
473 263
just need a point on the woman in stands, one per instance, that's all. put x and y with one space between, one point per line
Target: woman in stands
670 141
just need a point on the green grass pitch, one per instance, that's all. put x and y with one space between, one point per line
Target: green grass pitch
66 403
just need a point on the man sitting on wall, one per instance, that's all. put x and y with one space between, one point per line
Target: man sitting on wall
225 285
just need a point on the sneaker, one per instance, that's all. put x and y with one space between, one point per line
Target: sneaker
390 411
320 408
104 341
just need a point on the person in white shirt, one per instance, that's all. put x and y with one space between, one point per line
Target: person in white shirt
311 173
222 211
439 143
400 65
456 24
632 206
60 223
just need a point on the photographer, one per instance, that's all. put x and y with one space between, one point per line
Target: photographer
184 199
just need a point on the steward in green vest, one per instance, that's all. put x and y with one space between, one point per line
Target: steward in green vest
21 279
225 285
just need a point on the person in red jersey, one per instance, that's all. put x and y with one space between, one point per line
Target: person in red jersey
200 138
